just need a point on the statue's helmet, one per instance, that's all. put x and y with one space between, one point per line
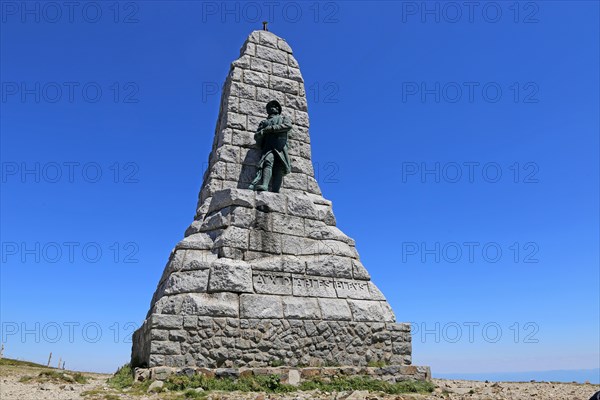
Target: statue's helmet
274 103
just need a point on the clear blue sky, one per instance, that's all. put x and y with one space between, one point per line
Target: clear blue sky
392 93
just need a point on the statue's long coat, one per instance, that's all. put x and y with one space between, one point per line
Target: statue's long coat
272 135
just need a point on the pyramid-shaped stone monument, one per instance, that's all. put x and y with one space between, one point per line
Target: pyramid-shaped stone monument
265 278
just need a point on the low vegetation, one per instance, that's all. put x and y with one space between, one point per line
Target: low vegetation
269 384
42 373
56 377
366 383
18 363
197 386
122 379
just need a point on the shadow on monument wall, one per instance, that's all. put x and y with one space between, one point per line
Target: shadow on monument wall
248 171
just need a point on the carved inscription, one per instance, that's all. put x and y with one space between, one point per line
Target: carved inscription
352 289
266 283
311 286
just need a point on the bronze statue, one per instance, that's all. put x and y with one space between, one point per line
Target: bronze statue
272 136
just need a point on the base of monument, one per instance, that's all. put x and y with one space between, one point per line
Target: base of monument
179 341
293 376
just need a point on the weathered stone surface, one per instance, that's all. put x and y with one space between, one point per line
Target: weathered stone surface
174 264
325 214
166 321
230 276
301 206
159 334
375 292
300 246
242 217
288 224
267 38
330 265
293 377
301 308
260 306
218 220
317 229
210 304
296 181
366 310
243 90
335 309
256 339
292 62
256 79
233 236
260 65
359 271
265 241
268 201
338 248
187 282
269 54
197 241
287 263
161 373
229 197
388 313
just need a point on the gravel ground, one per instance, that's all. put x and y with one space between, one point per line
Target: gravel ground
12 389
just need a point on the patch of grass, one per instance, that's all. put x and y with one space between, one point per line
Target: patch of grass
269 384
376 364
276 363
140 387
272 384
54 376
367 383
110 396
19 363
93 392
192 394
331 364
181 387
122 379
100 394
69 378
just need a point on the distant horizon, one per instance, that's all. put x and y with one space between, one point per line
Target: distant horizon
591 375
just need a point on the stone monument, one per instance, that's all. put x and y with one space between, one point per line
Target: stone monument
264 278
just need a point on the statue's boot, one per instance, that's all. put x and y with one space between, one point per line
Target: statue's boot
266 178
277 180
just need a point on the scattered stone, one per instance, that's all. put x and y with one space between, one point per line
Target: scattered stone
160 373
156 386
358 395
141 374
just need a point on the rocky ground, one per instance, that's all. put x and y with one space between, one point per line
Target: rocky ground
13 387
